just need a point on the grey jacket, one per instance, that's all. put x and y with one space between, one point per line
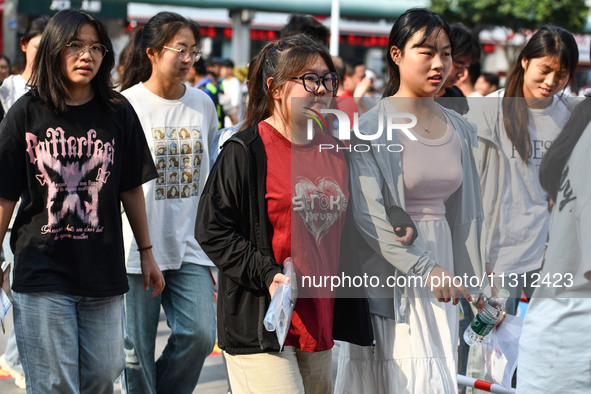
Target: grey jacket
492 165
377 183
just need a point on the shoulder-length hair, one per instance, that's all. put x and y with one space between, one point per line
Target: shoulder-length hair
548 41
409 23
156 33
280 60
48 79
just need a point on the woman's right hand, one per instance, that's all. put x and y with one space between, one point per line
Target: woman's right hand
405 237
440 282
277 280
151 273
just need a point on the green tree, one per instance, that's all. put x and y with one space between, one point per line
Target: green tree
515 14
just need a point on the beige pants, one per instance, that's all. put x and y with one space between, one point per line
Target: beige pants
291 371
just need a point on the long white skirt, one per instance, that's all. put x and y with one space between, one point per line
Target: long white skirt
416 357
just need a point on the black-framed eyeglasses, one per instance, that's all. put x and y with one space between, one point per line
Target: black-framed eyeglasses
185 54
311 81
97 51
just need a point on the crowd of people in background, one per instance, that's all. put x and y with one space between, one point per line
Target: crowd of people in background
216 167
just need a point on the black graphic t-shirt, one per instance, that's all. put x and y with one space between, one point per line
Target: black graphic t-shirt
69 170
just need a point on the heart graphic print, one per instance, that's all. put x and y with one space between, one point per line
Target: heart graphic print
320 204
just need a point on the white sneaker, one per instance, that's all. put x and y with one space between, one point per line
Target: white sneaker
19 379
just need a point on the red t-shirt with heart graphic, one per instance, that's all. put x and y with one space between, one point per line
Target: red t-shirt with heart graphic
307 196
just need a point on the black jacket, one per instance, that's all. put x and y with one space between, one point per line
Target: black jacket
232 229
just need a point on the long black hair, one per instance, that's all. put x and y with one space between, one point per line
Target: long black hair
557 155
548 41
404 28
48 80
156 33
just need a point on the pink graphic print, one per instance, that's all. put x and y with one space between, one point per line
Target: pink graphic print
74 186
320 204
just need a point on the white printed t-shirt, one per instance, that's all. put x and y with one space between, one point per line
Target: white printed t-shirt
179 134
518 242
554 350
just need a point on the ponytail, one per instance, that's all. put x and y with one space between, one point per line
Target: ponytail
259 104
393 83
134 61
280 60
157 32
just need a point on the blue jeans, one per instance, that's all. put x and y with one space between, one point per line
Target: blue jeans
69 344
11 353
188 305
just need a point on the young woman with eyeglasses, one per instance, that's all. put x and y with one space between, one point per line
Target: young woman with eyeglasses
161 54
261 204
76 151
434 179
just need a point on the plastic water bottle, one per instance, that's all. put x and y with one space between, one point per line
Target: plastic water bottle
484 322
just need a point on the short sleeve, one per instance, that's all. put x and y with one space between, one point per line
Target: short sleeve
138 165
13 154
581 184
